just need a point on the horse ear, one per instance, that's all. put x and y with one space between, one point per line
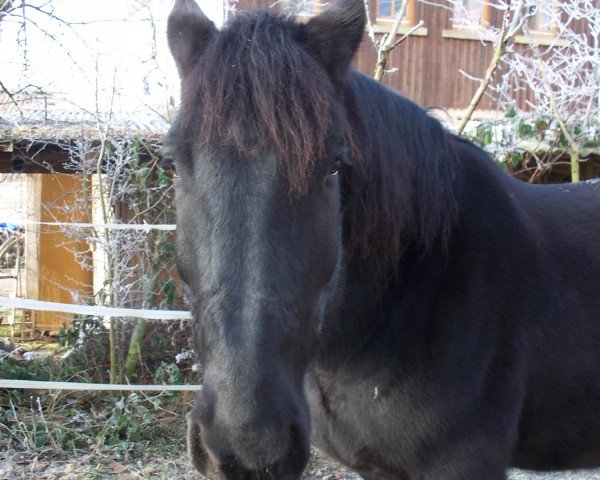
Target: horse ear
188 32
334 35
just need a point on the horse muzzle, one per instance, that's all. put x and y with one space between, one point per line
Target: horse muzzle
277 450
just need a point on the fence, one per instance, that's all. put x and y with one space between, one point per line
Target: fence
166 315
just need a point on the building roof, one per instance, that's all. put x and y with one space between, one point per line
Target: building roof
37 129
48 117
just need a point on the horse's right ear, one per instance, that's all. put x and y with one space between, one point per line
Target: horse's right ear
334 35
188 32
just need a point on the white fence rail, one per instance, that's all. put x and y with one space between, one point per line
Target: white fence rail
98 311
39 305
94 310
109 226
78 386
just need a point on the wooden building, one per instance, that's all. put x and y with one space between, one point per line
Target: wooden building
429 63
60 265
444 41
57 265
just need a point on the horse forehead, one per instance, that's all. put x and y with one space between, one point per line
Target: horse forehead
247 176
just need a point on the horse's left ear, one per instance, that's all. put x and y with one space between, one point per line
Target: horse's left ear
334 35
188 32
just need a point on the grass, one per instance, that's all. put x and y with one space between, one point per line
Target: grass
92 435
54 423
60 434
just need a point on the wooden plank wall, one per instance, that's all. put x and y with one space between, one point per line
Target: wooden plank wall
53 266
429 66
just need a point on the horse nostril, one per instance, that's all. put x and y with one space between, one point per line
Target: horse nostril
296 435
196 449
298 451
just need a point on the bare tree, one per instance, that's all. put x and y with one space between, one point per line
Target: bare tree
122 181
514 17
564 78
560 68
6 6
385 44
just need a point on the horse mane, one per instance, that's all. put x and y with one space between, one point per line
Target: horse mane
401 193
255 83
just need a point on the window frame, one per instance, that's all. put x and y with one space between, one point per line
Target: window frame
302 13
470 31
409 18
483 21
534 31
383 24
550 37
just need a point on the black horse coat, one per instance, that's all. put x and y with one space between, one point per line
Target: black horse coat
361 277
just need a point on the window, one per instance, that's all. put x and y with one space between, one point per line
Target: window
542 19
542 25
307 7
383 15
382 12
470 14
470 20
388 9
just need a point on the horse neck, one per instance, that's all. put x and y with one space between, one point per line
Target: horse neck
400 208
401 191
376 304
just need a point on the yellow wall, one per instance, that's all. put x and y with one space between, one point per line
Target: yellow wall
59 270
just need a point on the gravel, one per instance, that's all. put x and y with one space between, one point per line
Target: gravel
157 466
322 467
566 475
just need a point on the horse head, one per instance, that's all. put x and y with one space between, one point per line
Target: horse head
260 146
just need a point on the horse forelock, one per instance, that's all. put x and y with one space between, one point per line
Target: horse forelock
255 86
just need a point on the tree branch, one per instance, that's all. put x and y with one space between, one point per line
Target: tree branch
11 97
388 43
574 154
505 36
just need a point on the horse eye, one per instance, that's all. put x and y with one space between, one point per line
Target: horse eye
165 159
335 169
167 163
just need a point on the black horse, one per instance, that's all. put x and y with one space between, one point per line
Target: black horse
365 280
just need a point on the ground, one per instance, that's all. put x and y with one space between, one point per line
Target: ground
157 465
20 466
72 435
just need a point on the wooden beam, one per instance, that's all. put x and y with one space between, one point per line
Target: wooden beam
41 157
41 162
